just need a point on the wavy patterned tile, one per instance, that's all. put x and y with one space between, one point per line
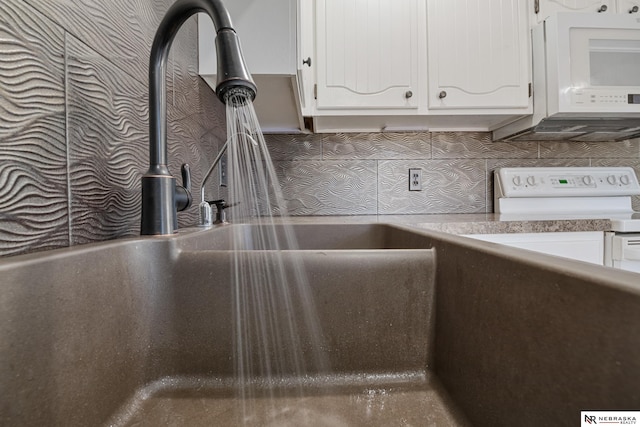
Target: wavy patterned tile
598 150
33 179
108 148
294 147
478 145
328 187
182 86
211 110
449 186
120 30
185 145
377 146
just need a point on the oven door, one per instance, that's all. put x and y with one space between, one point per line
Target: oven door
623 251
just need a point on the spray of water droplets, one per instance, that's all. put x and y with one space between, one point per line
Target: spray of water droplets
277 339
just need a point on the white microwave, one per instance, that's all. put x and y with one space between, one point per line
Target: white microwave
592 63
586 79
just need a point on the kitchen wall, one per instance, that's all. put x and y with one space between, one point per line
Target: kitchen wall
74 118
74 135
347 174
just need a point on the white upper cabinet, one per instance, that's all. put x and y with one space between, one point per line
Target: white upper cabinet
542 9
478 54
545 8
628 6
368 54
306 55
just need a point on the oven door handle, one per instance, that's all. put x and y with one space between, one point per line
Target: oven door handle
626 248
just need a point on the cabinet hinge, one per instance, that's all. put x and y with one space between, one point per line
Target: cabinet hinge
530 90
536 6
315 91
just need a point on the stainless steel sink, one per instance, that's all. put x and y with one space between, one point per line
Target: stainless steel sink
420 328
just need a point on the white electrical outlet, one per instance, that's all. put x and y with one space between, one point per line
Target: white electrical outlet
415 179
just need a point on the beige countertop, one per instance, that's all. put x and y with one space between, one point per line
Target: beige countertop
488 223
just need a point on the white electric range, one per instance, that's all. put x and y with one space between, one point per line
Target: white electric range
539 193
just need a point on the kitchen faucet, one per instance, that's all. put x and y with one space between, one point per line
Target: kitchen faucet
162 198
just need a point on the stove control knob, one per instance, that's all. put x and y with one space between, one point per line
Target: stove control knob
625 180
587 179
531 180
611 179
517 181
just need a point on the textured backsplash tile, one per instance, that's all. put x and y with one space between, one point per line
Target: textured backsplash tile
457 167
108 128
594 150
328 187
33 158
448 186
121 30
377 146
294 147
478 145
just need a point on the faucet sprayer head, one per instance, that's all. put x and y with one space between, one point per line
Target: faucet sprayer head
238 96
233 76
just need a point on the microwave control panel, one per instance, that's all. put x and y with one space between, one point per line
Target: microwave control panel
601 98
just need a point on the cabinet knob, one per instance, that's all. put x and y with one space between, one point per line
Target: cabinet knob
634 9
408 94
442 94
307 61
603 8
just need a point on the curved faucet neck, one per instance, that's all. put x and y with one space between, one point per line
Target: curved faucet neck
179 12
161 197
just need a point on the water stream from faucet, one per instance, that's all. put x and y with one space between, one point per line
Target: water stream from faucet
277 338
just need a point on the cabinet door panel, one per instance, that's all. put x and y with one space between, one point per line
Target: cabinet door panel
549 7
627 6
478 54
367 53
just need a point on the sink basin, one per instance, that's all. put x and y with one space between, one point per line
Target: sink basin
419 328
309 237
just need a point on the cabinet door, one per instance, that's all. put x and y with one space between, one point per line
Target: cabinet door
478 54
367 53
628 6
549 7
306 55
